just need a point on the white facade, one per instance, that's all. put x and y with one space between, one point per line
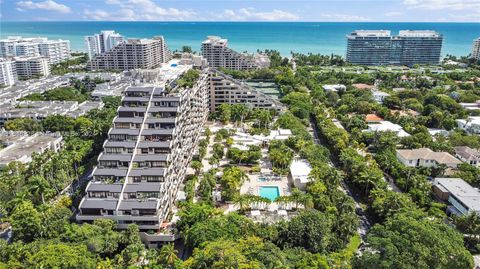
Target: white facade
8 74
425 157
463 198
476 49
32 67
334 88
103 42
379 96
215 49
386 126
471 125
300 170
54 50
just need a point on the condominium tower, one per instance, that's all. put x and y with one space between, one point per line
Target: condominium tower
224 89
31 67
102 42
8 73
476 49
379 47
133 54
54 50
148 151
215 49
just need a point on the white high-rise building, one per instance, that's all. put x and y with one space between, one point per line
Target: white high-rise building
133 54
32 67
8 74
103 42
215 49
54 50
476 49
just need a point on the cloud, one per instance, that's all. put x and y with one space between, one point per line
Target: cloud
252 14
466 17
344 17
49 5
393 13
139 10
443 4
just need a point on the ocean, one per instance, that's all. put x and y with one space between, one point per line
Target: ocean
314 37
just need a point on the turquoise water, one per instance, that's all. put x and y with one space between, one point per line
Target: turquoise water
315 37
270 192
261 179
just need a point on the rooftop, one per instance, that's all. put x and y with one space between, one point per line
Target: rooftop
428 154
462 191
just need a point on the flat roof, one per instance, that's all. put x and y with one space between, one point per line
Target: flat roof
143 187
104 187
462 191
99 203
134 204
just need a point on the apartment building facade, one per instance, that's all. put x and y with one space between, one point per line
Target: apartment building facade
54 50
133 54
379 47
215 49
147 153
224 89
8 73
476 49
32 67
104 41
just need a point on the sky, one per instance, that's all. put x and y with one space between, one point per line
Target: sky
242 10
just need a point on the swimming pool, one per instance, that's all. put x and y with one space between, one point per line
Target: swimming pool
262 179
270 192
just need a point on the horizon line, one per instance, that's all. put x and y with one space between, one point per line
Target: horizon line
1 21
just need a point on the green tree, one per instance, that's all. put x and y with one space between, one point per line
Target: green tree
414 241
26 222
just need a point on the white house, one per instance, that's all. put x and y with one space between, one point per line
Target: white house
334 88
300 170
385 126
379 96
470 125
462 197
426 157
468 155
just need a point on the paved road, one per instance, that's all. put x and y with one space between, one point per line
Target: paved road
365 224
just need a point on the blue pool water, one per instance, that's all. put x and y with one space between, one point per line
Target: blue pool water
261 179
270 192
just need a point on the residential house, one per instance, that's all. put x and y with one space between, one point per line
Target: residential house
463 198
426 157
468 155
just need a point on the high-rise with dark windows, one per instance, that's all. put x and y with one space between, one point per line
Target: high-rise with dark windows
379 47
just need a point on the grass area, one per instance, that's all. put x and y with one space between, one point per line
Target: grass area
343 258
58 94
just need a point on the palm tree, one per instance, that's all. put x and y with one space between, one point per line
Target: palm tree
168 255
243 201
39 187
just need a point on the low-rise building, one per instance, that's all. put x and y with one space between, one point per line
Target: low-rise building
19 146
462 197
39 110
471 125
468 155
386 126
379 96
425 157
334 88
471 106
300 171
